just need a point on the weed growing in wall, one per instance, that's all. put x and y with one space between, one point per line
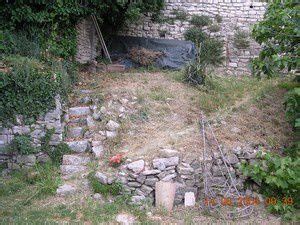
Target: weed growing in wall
200 20
241 39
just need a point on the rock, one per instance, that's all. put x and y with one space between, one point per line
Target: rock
137 166
219 170
72 169
85 100
146 189
103 110
141 179
78 146
151 181
134 184
43 158
235 130
185 170
165 195
98 151
138 199
124 101
150 172
65 189
112 125
162 163
21 130
97 116
168 152
75 160
26 159
98 197
231 159
75 132
79 111
111 134
169 177
165 173
125 219
101 177
189 199
110 180
90 122
237 150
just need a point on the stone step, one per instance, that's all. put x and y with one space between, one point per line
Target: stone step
76 160
79 111
66 189
75 132
79 146
70 170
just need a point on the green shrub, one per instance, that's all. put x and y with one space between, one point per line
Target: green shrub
278 177
21 144
56 153
292 106
212 52
104 189
194 73
19 44
28 89
241 39
180 15
200 20
214 28
195 35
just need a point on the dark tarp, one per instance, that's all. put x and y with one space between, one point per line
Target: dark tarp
176 53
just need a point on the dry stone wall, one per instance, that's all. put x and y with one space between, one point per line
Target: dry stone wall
87 41
240 14
37 131
139 177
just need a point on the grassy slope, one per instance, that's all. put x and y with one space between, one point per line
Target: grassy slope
31 200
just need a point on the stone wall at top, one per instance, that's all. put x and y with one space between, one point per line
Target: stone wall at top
240 14
87 41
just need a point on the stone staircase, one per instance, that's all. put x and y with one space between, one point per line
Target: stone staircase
81 121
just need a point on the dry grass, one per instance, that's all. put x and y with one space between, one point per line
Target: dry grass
167 111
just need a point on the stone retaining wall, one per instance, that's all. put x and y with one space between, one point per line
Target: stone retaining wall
51 120
240 14
139 177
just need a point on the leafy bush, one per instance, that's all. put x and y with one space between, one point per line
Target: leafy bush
53 22
195 35
104 189
292 106
143 56
180 15
56 153
214 28
29 89
241 39
21 144
278 33
278 177
200 20
19 44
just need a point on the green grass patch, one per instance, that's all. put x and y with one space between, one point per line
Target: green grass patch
160 94
113 189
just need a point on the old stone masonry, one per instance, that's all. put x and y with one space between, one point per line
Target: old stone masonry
234 15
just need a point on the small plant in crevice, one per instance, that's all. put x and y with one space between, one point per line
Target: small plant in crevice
180 14
214 28
113 189
21 144
241 39
218 18
200 20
